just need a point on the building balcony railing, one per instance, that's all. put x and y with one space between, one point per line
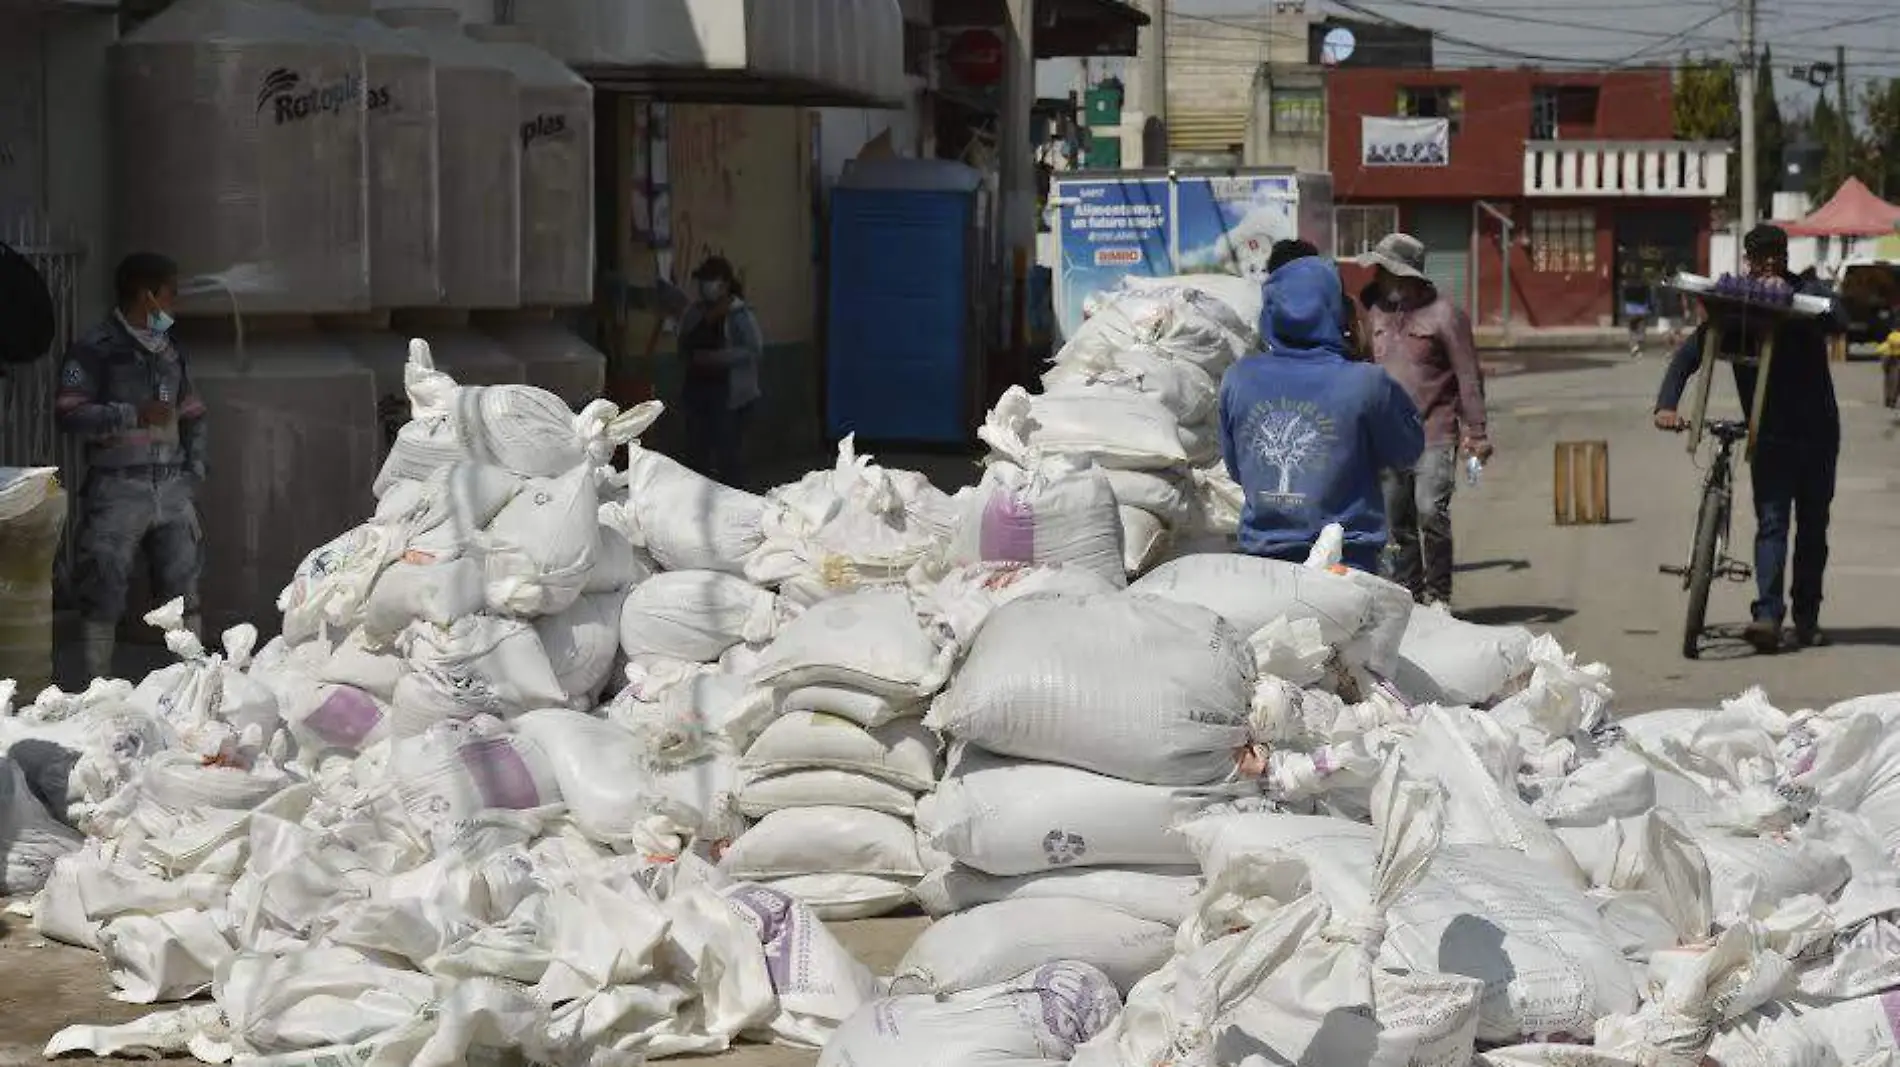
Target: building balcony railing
1626 168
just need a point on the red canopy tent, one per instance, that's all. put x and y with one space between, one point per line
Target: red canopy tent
1853 212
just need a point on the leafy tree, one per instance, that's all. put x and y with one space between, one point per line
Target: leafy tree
1844 154
1882 105
1704 101
1771 134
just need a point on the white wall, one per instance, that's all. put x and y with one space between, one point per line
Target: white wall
843 131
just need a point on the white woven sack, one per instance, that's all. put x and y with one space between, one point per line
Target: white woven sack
1177 320
581 644
1251 591
30 839
1443 660
1057 511
903 752
334 581
1144 539
1302 985
452 508
684 520
482 664
870 641
456 770
335 718
1006 817
693 616
817 981
1184 389
614 794
438 593
845 897
986 944
1133 687
1158 894
796 841
1165 493
1112 427
960 600
869 710
618 566
1037 1018
430 439
538 551
760 795
1548 962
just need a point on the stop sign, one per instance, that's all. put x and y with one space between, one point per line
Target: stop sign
976 57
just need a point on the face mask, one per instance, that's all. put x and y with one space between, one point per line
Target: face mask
712 290
159 322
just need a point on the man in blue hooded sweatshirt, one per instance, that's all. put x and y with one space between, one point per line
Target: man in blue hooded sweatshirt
1307 432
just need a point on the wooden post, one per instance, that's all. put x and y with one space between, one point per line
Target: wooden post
1761 393
1580 484
1699 408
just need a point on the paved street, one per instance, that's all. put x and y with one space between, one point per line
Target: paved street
1596 587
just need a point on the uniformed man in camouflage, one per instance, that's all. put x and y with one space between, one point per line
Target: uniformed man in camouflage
125 391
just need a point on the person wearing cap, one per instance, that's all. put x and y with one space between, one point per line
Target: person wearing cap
721 345
1305 431
1424 342
126 393
1797 448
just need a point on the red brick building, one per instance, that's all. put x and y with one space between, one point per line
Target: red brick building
1582 165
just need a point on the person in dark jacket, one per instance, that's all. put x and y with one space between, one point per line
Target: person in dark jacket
1797 448
124 390
722 346
1306 432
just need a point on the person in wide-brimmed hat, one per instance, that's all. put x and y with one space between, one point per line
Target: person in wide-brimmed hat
1424 341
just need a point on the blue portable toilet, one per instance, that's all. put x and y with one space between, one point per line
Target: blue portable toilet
902 346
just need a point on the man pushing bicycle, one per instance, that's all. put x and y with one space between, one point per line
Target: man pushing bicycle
1798 444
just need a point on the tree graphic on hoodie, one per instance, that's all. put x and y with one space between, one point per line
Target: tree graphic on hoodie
1287 438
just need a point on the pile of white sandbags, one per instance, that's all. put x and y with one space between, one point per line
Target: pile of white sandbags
1083 729
1289 818
1136 392
833 780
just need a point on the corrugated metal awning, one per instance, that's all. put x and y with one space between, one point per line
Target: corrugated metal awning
804 52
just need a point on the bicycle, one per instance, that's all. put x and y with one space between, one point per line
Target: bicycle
1708 555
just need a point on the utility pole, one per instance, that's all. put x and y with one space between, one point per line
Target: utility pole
1846 137
1745 102
1016 169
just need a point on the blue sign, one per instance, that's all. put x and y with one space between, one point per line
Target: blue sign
1109 228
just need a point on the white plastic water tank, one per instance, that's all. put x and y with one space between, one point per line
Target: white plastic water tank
404 203
238 128
293 452
557 171
478 160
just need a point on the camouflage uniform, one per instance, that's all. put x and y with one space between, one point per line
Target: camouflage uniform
140 480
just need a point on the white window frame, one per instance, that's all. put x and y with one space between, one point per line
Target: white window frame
1363 215
1564 240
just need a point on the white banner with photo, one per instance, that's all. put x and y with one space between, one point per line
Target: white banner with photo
1405 142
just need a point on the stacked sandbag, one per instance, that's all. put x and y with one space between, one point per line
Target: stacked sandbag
1084 728
855 526
1167 342
833 780
1306 623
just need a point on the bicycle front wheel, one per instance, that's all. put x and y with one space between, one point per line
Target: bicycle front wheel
1708 531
